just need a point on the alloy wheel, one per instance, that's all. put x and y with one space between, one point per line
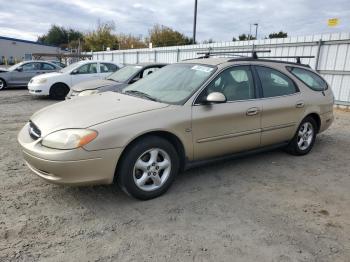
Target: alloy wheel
305 136
152 169
2 84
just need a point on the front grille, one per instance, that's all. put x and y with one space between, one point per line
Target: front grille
34 131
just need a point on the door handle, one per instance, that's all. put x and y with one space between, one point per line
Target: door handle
299 104
253 111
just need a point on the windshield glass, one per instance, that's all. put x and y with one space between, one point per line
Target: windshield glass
11 68
71 67
124 73
173 84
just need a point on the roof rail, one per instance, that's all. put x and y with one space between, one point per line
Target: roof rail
298 58
254 53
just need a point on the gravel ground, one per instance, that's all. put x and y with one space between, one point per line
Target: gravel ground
265 207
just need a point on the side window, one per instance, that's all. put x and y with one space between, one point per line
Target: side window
235 83
274 83
108 68
45 66
309 78
87 69
31 67
149 71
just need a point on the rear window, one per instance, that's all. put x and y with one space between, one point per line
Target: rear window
309 78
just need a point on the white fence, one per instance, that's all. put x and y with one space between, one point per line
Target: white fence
331 51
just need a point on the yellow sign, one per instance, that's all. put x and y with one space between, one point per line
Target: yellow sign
333 22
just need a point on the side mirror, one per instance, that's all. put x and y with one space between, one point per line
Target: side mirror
216 98
134 80
74 72
19 69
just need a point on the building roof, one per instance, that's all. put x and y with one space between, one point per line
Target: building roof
24 41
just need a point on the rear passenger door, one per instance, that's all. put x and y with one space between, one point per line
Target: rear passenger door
282 105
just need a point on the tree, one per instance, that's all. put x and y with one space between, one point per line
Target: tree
280 34
130 41
101 38
161 35
244 37
209 41
234 39
60 36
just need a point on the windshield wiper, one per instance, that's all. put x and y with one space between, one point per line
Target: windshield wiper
141 94
112 80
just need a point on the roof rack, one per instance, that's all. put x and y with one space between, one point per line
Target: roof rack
254 53
298 58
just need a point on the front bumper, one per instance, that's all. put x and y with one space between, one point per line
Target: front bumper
38 89
70 167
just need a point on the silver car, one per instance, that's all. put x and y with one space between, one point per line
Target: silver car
21 73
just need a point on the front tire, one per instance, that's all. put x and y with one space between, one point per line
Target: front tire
304 139
148 168
59 91
2 84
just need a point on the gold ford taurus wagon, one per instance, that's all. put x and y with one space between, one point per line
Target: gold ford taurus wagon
185 113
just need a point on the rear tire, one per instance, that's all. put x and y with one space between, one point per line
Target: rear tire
304 139
148 168
2 84
59 91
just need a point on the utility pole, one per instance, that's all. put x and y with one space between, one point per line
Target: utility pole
195 22
256 30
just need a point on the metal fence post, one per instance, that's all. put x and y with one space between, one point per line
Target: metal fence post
123 58
155 55
318 54
178 55
137 57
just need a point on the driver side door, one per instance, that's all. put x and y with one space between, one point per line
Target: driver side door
84 73
27 72
233 126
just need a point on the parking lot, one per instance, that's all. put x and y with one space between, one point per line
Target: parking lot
266 207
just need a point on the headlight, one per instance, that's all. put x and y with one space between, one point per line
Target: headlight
88 92
69 138
41 81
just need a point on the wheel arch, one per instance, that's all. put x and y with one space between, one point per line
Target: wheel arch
317 119
172 138
59 83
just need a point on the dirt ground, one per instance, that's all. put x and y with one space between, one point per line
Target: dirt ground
265 207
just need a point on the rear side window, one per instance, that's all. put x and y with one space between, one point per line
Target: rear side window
45 66
309 78
108 68
274 83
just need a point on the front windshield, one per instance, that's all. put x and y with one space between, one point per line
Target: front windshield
71 67
123 74
172 84
11 68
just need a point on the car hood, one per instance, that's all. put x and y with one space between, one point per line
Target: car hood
90 110
48 75
3 70
93 84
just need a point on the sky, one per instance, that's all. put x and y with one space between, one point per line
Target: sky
219 20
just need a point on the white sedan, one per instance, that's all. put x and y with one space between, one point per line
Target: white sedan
58 84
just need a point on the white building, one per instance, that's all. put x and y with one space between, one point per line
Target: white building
15 50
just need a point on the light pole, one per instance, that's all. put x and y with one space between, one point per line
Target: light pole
256 30
195 22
